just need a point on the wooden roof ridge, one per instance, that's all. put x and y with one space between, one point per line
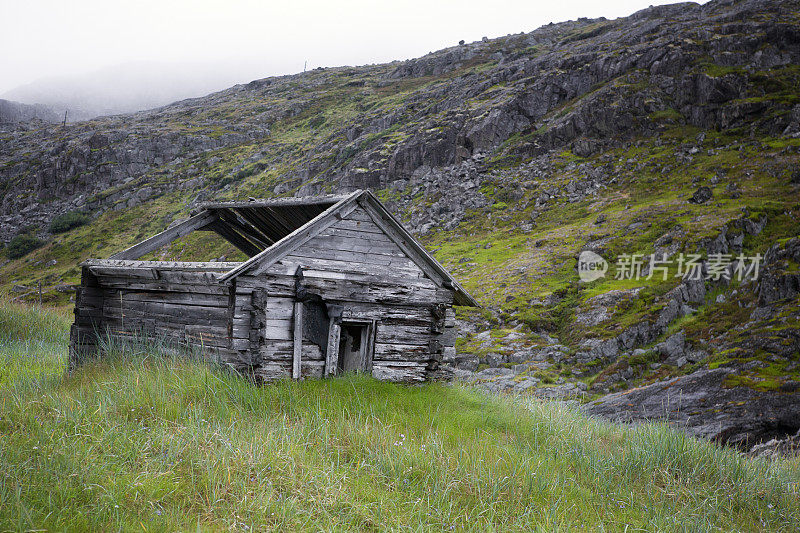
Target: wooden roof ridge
390 225
288 201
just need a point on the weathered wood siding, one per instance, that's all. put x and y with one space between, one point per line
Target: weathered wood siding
88 319
353 263
180 308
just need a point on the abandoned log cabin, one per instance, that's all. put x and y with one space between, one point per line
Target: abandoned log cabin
333 284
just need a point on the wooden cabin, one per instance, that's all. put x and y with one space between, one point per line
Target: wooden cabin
333 284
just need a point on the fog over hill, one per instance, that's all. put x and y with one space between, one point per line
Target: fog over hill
17 112
129 87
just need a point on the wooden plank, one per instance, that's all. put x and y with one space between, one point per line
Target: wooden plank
289 201
275 280
332 350
297 339
406 373
177 231
279 330
160 285
355 244
403 334
240 344
450 318
266 236
369 348
417 293
201 267
313 369
337 230
289 264
278 307
137 313
183 298
346 290
360 216
174 277
267 225
89 300
271 371
401 352
367 259
165 307
244 228
124 272
284 351
361 227
284 220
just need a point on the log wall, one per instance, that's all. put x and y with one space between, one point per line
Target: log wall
181 309
249 323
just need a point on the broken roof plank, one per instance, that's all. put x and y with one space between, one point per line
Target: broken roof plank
198 221
162 265
268 226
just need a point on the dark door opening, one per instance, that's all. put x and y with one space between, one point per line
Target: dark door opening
353 345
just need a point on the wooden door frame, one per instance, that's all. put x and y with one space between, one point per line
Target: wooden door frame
334 334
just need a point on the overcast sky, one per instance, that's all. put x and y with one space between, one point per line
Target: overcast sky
255 39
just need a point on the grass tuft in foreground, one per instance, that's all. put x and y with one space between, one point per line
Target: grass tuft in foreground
168 444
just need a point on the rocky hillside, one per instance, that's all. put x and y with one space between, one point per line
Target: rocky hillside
675 132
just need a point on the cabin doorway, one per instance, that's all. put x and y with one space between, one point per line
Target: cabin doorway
355 347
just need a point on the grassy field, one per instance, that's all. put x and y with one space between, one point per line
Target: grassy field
148 442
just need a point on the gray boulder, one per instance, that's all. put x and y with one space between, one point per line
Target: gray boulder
701 195
673 348
705 405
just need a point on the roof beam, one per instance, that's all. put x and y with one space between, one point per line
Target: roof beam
232 236
281 220
198 221
226 216
265 224
247 215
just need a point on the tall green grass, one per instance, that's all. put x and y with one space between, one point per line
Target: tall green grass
33 343
151 441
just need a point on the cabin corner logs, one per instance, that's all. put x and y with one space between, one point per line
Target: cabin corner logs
350 297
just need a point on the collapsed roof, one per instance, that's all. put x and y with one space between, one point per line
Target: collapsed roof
267 230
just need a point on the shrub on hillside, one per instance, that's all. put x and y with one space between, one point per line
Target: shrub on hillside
68 220
22 245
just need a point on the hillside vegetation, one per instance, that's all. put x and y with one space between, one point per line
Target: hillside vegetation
673 131
144 440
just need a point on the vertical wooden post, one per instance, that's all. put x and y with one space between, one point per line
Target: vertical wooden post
332 351
298 339
369 348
